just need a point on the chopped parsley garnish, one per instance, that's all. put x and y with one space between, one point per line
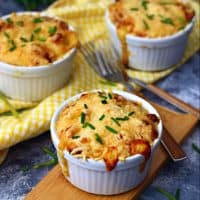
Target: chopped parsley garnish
182 23
48 163
85 106
13 48
115 120
134 9
144 4
110 95
146 26
6 35
168 194
166 20
42 39
196 148
102 117
37 20
23 39
20 23
13 45
51 162
102 96
122 118
25 168
31 38
167 3
151 17
37 30
112 130
9 20
104 101
87 124
23 45
91 126
131 113
98 138
9 105
52 30
75 136
82 118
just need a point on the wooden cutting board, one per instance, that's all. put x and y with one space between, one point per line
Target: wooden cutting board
54 186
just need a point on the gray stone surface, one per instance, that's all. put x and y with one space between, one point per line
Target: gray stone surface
183 83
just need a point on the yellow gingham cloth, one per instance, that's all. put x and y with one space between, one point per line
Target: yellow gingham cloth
87 17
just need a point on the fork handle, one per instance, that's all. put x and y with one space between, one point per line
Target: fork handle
172 147
173 100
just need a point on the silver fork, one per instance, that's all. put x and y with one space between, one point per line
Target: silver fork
104 60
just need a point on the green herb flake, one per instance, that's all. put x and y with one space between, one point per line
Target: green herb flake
75 136
150 17
167 3
20 23
48 163
144 4
131 113
46 150
6 35
31 37
166 20
122 118
104 101
25 168
85 106
165 193
134 9
102 117
146 26
87 124
90 126
42 39
52 30
196 148
112 130
98 138
182 22
9 105
177 195
82 118
115 120
37 20
23 39
13 45
37 30
102 96
110 95
9 20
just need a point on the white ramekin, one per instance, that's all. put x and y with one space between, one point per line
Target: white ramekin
90 175
149 54
36 82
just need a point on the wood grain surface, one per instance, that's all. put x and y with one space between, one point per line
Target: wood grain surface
54 186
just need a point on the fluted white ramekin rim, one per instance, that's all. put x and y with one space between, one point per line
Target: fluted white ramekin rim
100 165
31 71
159 41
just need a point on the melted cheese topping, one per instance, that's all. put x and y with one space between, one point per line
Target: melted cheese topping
105 126
150 18
27 40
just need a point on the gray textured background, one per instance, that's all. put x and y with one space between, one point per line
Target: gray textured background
183 83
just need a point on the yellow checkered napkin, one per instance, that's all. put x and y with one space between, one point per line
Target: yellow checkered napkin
87 17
